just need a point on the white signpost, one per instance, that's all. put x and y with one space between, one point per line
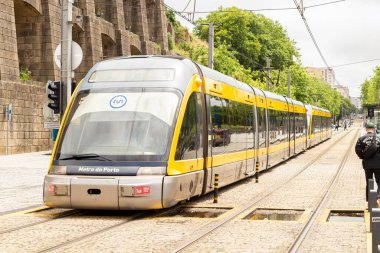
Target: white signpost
76 55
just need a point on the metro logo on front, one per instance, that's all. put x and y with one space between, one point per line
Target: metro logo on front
118 101
142 190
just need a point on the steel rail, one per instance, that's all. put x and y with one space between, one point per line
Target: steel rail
63 215
139 216
209 228
310 222
5 213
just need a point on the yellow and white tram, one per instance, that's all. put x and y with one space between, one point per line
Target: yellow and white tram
148 132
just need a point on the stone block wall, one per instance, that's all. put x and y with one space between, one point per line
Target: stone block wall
9 68
30 31
24 132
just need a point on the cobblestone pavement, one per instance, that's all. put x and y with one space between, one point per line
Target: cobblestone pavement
348 194
166 233
302 193
21 179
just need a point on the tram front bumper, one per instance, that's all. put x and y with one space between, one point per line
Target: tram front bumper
114 193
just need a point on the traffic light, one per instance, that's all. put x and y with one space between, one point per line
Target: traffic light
371 112
55 95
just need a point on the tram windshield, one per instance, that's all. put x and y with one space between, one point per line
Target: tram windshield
120 126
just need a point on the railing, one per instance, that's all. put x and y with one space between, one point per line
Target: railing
374 212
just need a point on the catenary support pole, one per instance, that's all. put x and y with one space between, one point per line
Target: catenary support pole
289 82
211 45
66 43
267 68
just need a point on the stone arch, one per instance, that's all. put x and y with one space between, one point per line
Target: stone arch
31 44
135 50
33 5
108 46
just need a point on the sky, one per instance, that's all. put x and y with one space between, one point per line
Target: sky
346 32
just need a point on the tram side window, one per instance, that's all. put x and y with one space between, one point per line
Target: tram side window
261 125
188 141
226 127
238 128
299 125
199 125
232 126
217 125
316 124
283 120
250 126
304 124
292 122
273 126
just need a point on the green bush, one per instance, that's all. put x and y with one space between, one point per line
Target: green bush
25 74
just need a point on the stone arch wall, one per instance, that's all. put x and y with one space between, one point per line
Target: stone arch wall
103 9
30 40
135 50
35 4
132 16
108 46
151 12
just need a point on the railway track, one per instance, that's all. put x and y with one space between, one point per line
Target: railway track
138 216
309 224
59 216
212 227
142 215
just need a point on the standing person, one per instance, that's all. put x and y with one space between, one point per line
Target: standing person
345 125
370 156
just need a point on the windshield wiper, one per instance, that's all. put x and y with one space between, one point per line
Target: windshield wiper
86 156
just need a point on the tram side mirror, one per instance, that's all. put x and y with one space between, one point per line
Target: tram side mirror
198 80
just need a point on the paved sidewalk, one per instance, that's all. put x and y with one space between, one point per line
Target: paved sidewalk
21 179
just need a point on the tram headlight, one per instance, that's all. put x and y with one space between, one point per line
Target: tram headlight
151 171
58 170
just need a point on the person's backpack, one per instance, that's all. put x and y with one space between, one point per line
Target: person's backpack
370 149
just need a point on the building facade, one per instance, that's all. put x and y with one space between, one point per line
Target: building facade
356 102
343 90
30 31
326 74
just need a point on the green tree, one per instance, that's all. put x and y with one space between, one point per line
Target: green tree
370 87
253 36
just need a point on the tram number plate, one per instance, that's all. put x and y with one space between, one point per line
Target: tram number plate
375 219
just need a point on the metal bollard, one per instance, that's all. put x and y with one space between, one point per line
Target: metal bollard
375 221
216 188
372 197
257 171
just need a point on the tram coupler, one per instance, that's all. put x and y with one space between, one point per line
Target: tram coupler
216 188
257 172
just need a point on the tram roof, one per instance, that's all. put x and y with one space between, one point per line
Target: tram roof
184 70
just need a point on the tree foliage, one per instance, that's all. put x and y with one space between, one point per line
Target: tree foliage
242 42
369 88
254 36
